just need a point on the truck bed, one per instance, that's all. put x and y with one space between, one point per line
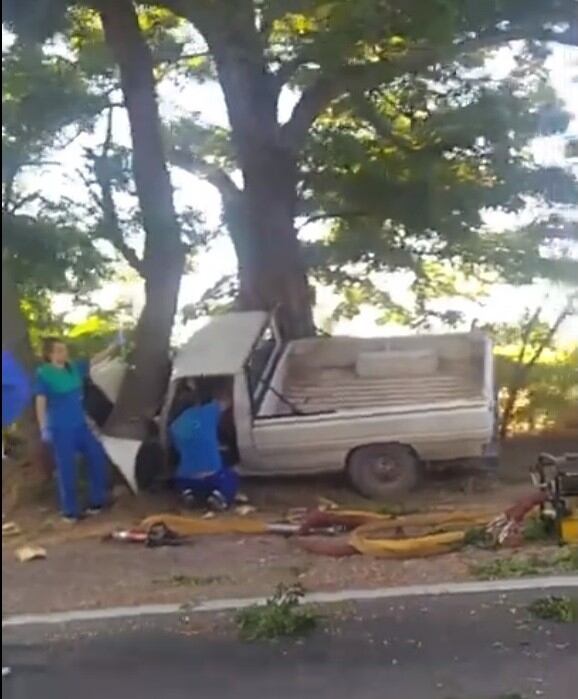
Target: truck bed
328 374
433 392
329 389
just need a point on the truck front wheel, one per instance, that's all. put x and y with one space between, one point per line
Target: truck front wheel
384 471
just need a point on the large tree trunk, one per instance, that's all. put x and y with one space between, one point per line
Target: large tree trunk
163 261
271 269
14 327
15 338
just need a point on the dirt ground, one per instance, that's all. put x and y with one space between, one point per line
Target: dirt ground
82 571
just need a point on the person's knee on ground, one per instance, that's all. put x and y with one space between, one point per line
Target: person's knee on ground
225 487
217 490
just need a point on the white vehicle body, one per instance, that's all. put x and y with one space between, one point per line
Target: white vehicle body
305 406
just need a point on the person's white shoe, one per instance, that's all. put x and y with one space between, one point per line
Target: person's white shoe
217 501
6 671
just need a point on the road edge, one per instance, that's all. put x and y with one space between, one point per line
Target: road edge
338 596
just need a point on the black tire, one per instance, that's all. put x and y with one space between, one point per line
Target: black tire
366 470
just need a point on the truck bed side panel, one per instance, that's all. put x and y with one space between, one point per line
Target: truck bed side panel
322 443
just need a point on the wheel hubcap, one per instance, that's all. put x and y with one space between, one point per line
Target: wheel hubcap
386 469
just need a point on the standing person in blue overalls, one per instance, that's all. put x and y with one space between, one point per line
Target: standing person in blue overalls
15 397
202 477
60 411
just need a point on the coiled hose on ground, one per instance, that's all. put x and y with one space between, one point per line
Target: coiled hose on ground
406 536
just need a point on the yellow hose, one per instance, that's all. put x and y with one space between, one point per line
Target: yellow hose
376 535
189 526
414 547
442 532
433 518
396 537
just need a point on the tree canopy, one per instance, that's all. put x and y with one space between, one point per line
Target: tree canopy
410 177
44 104
392 124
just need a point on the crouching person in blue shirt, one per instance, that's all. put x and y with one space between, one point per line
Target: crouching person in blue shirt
59 394
201 476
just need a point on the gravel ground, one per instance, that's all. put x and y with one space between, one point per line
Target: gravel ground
82 572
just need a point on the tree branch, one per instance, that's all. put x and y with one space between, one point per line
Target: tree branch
382 126
522 370
564 313
110 228
326 88
324 216
16 204
288 68
181 57
212 173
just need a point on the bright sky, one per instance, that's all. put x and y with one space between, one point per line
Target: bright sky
208 102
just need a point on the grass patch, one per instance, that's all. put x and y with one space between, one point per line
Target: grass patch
568 558
517 567
281 616
538 529
479 537
561 609
520 566
535 529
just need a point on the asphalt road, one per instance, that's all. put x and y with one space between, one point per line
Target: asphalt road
456 647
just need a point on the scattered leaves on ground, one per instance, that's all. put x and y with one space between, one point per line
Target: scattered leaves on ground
282 615
183 580
10 529
509 695
562 609
570 559
535 529
29 553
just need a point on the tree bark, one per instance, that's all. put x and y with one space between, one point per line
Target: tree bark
164 254
260 221
15 338
271 269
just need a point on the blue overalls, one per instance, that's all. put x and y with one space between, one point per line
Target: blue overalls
15 389
70 434
200 469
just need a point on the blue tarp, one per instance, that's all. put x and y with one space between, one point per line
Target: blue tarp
16 390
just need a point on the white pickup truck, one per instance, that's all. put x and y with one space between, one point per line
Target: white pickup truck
379 408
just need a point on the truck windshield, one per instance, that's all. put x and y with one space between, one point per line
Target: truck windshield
260 365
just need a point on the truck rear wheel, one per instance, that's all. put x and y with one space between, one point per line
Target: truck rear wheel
384 471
